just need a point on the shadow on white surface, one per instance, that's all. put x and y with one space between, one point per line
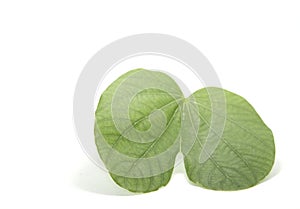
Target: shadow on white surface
93 179
274 172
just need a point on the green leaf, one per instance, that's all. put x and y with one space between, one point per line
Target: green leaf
233 148
143 121
137 129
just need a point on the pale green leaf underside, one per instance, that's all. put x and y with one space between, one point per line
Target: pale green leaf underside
136 168
245 152
157 124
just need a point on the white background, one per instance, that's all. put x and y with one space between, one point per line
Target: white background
254 47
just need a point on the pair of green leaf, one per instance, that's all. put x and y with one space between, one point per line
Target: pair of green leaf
143 121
